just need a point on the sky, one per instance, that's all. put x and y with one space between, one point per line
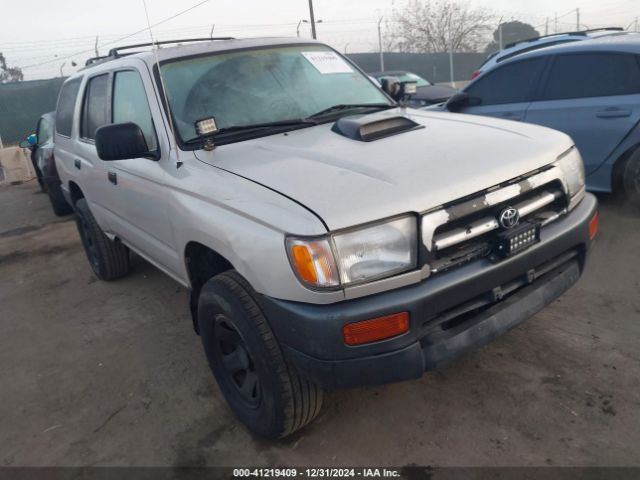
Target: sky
45 37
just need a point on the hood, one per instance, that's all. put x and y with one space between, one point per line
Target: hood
434 93
348 182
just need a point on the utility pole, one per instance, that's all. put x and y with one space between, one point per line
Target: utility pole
635 28
546 26
380 44
555 28
451 55
61 67
500 34
313 20
298 28
345 47
577 19
211 32
95 47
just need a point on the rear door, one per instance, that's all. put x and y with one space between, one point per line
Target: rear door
64 126
594 97
94 113
506 91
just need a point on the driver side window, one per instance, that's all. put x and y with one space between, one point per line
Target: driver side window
130 105
511 83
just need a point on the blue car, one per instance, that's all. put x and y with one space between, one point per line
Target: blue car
589 90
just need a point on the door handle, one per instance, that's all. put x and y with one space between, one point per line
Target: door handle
77 163
613 113
113 177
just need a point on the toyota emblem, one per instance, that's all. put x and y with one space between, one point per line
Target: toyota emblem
509 217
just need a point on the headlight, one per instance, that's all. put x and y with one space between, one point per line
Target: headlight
356 256
570 162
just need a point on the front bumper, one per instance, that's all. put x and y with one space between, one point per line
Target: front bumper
451 313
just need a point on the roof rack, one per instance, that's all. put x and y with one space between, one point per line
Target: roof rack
580 32
115 52
94 60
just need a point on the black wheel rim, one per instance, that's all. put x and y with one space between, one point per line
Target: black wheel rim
237 362
88 242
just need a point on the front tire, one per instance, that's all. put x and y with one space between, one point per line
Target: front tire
262 389
109 260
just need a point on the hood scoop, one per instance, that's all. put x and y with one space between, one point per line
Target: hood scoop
364 129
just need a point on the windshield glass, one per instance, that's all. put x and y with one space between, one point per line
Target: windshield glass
263 85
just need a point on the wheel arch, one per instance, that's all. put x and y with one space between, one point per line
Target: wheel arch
201 264
75 192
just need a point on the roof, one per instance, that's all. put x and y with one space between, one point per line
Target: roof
192 47
618 43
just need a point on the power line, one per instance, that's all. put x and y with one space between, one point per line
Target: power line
120 39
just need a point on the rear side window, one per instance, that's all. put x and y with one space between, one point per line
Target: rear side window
130 105
95 111
592 75
512 83
66 105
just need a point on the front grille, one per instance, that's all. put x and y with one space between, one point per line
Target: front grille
465 230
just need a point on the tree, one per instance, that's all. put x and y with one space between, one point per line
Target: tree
511 32
9 74
437 25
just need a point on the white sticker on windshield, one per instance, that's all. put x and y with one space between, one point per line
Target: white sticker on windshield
327 62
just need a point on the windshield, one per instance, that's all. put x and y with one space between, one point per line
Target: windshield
261 86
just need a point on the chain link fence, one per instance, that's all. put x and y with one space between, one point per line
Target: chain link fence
22 103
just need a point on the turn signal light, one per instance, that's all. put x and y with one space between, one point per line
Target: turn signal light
376 329
593 226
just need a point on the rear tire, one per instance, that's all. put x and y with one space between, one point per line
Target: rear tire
262 389
109 260
631 179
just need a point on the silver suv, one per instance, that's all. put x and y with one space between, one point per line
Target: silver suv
329 236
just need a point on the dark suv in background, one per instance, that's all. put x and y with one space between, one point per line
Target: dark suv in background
589 90
41 146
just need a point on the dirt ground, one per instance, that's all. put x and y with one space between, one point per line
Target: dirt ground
95 373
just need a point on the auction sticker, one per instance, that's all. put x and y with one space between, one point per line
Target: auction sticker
327 62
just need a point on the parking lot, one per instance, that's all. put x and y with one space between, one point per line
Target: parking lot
97 373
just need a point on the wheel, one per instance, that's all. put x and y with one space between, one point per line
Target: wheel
58 202
109 260
631 179
262 389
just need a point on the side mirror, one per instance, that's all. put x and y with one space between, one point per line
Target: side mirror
24 144
457 102
32 139
121 141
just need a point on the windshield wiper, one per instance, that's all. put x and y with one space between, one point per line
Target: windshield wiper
349 106
296 122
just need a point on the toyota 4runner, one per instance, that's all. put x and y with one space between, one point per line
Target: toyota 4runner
329 237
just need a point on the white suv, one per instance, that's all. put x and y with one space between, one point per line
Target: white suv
329 236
